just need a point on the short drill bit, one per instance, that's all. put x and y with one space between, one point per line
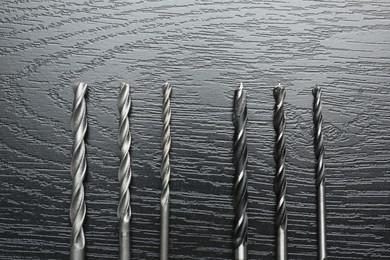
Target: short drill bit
124 174
165 171
240 159
280 184
320 172
78 172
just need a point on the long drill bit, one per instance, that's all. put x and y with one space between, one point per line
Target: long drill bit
320 172
165 171
240 159
124 174
280 184
78 172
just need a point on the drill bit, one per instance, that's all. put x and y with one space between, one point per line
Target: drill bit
280 184
240 159
320 172
165 171
78 172
124 174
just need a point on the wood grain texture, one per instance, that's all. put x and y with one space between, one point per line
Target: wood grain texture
204 48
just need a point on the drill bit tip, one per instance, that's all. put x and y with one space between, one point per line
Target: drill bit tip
123 98
317 90
124 85
240 90
278 88
80 87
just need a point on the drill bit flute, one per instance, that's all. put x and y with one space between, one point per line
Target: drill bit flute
280 184
165 171
78 172
240 159
320 172
124 174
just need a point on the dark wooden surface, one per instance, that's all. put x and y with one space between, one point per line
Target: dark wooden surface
204 48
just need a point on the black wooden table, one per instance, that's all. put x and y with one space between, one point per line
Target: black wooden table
205 49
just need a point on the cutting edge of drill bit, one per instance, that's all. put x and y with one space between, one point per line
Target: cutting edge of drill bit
320 172
124 173
78 172
165 171
280 185
240 158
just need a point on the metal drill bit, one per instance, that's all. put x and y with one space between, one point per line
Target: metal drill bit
320 172
240 159
124 174
78 172
165 171
280 184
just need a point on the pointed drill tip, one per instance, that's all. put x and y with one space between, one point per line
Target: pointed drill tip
316 90
166 85
241 86
82 87
124 85
278 89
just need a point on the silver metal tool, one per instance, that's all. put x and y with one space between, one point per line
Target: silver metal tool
280 184
165 171
320 172
240 159
78 172
124 174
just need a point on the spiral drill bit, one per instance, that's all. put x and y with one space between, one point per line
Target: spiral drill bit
240 159
165 171
280 184
320 172
124 174
78 172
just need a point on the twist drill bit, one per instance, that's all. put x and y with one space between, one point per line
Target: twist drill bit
240 159
165 171
320 172
280 184
124 174
78 172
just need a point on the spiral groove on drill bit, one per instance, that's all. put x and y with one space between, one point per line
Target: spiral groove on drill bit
280 185
78 172
320 172
124 173
165 171
318 136
240 159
